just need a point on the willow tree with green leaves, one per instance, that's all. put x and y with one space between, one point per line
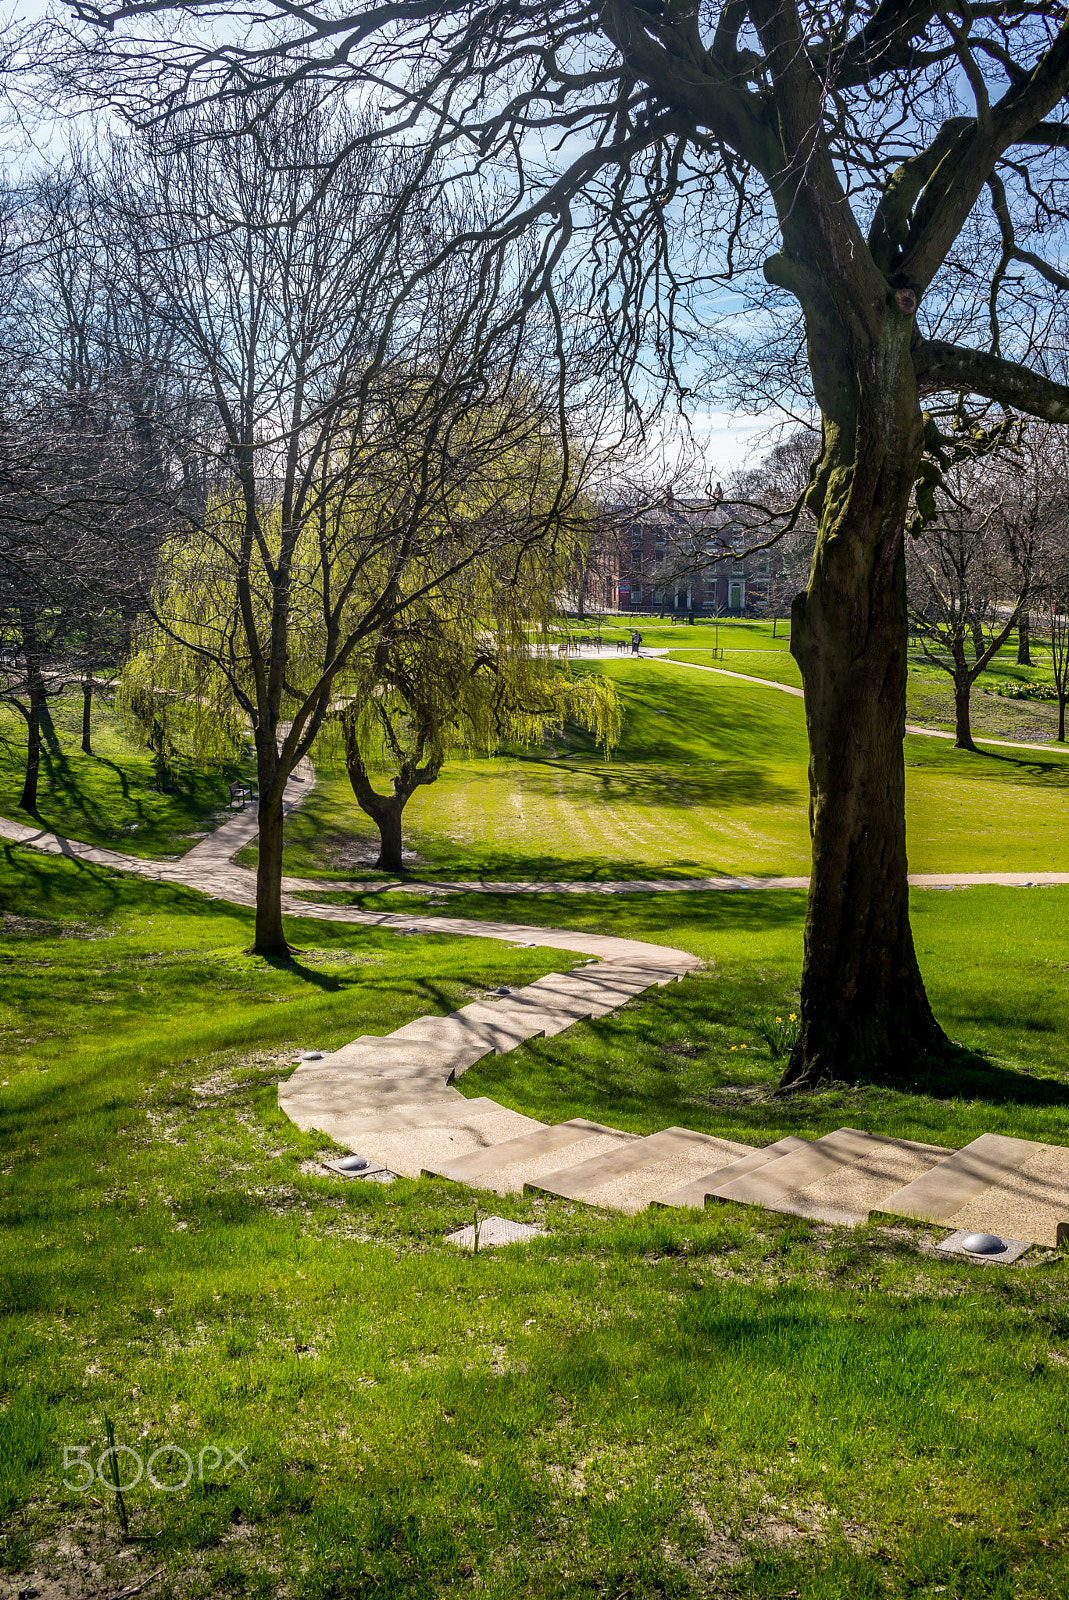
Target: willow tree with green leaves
376 418
460 671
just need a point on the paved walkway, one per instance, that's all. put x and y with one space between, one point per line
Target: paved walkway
392 1099
583 886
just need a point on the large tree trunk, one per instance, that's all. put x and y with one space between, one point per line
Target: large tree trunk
388 822
1024 658
385 811
864 1011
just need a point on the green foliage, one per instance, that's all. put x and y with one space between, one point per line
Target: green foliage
780 1034
1025 691
458 672
112 797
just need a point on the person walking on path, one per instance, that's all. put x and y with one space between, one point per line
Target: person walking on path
636 640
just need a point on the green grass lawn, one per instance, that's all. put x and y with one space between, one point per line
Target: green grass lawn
710 777
749 647
109 798
674 1405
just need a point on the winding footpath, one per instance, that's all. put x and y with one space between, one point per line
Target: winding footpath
392 1099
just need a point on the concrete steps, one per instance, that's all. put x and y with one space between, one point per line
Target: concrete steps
392 1100
628 1176
838 1178
409 1139
522 1161
698 1190
1012 1187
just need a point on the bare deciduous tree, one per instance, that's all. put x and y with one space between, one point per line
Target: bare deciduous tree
965 596
371 436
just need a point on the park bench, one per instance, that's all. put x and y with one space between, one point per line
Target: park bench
242 792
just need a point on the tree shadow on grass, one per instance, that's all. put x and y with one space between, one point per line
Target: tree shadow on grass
293 967
961 1074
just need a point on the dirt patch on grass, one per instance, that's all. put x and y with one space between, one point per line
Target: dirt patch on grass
16 927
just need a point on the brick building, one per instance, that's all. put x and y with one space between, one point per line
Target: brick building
672 560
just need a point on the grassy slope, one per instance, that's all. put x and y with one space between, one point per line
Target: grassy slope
108 798
710 777
750 648
671 1405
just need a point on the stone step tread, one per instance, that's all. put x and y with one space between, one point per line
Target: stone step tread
630 980
601 998
330 1115
370 1093
940 1194
431 1137
524 1171
838 1178
628 1177
539 1014
482 1163
576 983
699 1190
419 1114
636 971
386 1055
487 1028
456 1029
1027 1201
341 1080
498 1023
591 1173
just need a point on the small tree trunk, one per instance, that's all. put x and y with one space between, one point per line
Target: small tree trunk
87 693
36 710
387 818
87 716
28 798
1024 658
1061 718
963 739
979 644
270 937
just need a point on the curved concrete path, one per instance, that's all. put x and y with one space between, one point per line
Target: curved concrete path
799 694
392 1099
